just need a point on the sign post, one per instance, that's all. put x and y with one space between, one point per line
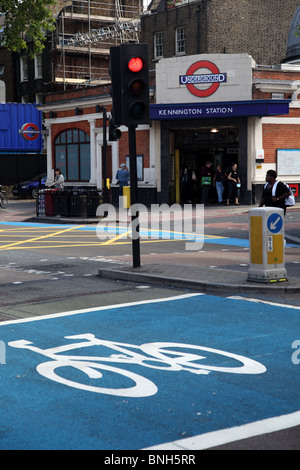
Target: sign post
266 233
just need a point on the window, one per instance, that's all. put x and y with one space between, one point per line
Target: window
38 66
39 97
158 45
72 155
180 40
23 68
1 72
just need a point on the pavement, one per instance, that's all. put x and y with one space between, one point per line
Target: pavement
198 278
220 279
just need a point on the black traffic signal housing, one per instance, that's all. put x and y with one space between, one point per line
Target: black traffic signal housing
116 84
114 132
135 84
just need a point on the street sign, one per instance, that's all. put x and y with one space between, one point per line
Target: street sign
275 223
30 131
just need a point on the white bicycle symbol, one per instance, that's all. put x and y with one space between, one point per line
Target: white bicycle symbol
155 356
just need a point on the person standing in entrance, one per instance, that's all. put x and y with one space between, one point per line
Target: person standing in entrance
123 177
234 183
188 181
206 180
218 182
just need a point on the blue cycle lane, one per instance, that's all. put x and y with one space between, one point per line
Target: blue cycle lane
138 375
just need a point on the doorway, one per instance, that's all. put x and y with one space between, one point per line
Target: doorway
218 145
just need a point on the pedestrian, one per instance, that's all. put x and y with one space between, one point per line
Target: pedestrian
206 181
234 184
122 177
281 192
59 180
188 180
218 182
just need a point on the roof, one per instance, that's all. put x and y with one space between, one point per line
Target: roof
293 47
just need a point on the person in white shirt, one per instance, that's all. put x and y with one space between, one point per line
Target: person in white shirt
58 179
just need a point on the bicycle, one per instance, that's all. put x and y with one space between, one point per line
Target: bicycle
3 199
157 355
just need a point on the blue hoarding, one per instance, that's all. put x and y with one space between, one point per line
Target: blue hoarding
14 117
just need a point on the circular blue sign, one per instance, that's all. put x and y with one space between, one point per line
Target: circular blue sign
275 223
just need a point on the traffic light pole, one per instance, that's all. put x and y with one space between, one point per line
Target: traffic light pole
104 154
133 196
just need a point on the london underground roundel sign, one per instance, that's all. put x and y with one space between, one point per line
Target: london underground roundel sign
212 79
30 131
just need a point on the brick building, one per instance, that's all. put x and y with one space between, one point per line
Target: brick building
75 53
236 111
207 104
260 29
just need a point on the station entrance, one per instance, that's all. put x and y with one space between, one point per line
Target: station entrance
194 147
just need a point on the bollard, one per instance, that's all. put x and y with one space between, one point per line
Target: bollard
126 197
266 244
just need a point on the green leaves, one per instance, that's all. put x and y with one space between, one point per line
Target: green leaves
26 24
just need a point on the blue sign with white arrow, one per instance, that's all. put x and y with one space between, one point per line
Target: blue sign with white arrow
275 223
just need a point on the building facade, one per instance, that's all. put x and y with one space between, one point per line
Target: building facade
217 107
180 27
76 52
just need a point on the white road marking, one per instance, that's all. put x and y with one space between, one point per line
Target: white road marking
237 433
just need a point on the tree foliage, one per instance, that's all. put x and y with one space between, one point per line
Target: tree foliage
26 22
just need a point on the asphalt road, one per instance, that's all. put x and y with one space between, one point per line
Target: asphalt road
46 269
70 255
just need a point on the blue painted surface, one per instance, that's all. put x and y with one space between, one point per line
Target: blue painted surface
12 117
114 231
39 413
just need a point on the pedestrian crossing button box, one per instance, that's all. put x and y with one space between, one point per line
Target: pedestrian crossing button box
266 244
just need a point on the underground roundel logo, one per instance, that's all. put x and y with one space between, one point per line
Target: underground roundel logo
30 131
209 82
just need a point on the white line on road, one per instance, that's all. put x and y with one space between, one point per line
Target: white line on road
237 433
93 309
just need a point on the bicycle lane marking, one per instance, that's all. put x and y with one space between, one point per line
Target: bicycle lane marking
185 403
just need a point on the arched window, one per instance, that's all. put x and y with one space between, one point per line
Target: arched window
72 155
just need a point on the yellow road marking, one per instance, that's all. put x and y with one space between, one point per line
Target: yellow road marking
109 242
37 238
85 234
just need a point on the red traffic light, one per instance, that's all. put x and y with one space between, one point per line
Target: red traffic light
135 64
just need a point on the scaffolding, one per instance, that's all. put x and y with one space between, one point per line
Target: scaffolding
85 31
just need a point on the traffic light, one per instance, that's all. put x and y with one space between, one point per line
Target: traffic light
114 132
116 85
135 84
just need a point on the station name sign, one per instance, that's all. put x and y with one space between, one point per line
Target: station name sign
190 111
220 110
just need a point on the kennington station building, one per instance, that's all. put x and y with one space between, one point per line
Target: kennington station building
222 108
